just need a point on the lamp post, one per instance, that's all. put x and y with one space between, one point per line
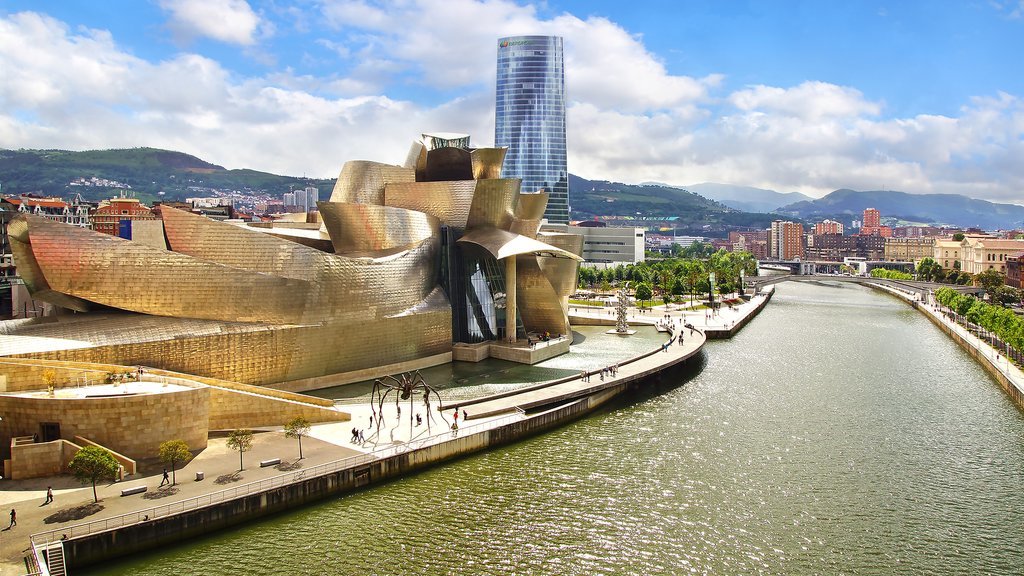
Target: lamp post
711 291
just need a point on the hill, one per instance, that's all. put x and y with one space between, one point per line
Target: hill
691 212
933 209
146 171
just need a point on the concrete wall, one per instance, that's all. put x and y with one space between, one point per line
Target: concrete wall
235 409
133 425
39 459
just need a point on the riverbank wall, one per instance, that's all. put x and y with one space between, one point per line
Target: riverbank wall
1010 379
304 487
724 333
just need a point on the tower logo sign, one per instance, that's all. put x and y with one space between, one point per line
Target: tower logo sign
507 43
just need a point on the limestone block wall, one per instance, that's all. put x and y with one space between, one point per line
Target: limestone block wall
35 460
231 409
133 425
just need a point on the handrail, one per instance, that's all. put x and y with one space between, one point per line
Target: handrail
242 490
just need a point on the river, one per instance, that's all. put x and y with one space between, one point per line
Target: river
840 432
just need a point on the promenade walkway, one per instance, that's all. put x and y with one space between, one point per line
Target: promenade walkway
328 445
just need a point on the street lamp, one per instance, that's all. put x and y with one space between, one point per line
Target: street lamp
711 290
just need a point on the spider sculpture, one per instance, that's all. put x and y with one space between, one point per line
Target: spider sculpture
406 387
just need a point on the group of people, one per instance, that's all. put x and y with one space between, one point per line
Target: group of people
357 436
608 372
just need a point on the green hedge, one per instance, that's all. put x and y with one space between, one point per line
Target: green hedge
891 274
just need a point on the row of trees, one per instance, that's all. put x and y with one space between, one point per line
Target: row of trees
931 271
674 276
92 463
1000 321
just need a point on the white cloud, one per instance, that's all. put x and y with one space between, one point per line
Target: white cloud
629 119
231 21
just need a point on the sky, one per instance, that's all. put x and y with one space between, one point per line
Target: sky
789 95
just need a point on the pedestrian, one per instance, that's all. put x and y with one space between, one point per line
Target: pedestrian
14 519
371 420
166 479
418 419
399 410
49 494
456 416
465 415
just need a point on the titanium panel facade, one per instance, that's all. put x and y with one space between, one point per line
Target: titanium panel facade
530 118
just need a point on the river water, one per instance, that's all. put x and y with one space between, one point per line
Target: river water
839 433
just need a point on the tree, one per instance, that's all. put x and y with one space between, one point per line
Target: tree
958 237
172 452
297 428
241 440
1007 295
990 280
643 292
93 463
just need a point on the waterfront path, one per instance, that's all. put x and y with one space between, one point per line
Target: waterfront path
327 446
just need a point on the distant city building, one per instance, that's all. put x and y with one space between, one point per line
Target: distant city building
981 253
908 249
115 215
1013 269
312 197
50 208
215 202
785 240
838 248
530 118
947 253
873 224
828 227
754 242
605 246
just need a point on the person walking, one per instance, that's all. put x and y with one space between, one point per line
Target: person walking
166 479
49 495
14 519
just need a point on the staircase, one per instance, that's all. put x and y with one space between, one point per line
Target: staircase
54 554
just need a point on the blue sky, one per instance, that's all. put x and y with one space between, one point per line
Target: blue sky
807 96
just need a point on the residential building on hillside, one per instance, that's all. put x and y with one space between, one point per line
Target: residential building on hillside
755 242
786 240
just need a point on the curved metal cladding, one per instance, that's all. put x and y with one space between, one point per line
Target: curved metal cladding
416 158
529 212
530 117
502 244
494 203
122 274
31 274
360 288
371 230
562 272
449 202
447 163
539 304
487 162
362 181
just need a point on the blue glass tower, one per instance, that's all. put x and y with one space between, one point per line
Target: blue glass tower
530 118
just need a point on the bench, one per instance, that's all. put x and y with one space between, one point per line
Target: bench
271 462
133 490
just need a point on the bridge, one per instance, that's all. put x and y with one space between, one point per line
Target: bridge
914 286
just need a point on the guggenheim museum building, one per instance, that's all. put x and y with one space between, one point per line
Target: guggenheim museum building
409 266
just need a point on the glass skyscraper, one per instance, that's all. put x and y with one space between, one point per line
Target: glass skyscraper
530 118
